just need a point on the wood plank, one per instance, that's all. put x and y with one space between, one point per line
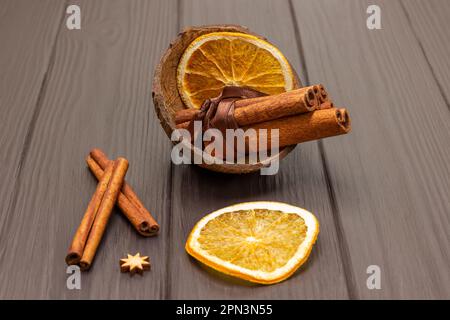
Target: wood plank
27 34
98 95
390 176
430 22
300 182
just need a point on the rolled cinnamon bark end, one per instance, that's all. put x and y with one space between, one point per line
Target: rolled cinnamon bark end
311 100
81 236
128 202
343 119
143 223
302 128
316 90
323 94
147 229
104 212
73 258
147 225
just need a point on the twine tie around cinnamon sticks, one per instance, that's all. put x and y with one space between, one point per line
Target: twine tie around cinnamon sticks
219 112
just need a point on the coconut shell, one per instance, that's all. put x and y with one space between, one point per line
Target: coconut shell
167 100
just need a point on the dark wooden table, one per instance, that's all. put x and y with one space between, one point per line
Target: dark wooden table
381 193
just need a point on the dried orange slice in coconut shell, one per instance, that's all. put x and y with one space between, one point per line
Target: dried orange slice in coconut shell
171 77
218 59
261 242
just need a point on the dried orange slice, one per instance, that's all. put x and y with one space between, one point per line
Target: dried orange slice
219 59
262 242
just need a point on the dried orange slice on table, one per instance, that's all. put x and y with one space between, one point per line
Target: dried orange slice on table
262 242
215 60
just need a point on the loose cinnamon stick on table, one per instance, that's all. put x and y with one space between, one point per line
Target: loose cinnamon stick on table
304 127
79 240
254 110
128 201
104 212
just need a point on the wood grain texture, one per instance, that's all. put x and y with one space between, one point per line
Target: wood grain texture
300 182
98 95
430 23
380 193
390 177
25 56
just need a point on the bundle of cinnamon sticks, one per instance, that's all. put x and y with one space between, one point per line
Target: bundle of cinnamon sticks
300 115
111 189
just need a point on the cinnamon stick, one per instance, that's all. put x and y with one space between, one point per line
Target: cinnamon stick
79 240
304 127
104 212
246 102
254 110
322 123
275 107
142 223
128 201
